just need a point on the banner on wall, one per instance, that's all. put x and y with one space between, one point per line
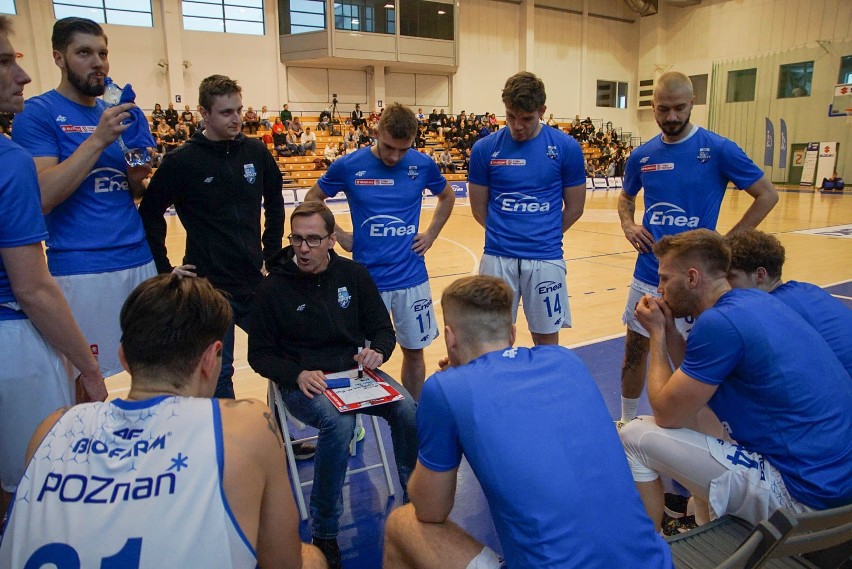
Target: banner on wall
827 161
809 167
782 145
769 151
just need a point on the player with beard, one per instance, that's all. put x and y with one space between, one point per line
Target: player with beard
96 247
685 172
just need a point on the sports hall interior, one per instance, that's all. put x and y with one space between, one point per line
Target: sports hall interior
574 46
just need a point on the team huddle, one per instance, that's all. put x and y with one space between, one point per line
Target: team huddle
748 377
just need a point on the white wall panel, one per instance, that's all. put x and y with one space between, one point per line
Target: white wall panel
307 85
400 88
432 90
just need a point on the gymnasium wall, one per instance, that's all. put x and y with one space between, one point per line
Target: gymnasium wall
754 33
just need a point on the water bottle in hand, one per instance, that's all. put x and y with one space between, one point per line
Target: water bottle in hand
133 156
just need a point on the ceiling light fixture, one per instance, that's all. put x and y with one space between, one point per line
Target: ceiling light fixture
441 12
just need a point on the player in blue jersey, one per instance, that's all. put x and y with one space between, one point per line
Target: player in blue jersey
36 325
527 188
166 477
775 384
756 261
96 246
684 172
544 506
384 185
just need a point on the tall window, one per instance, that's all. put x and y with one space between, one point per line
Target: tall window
425 19
699 88
229 16
794 80
374 16
300 16
7 7
845 75
121 12
741 84
612 94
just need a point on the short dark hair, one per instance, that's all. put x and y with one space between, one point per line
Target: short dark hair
168 322
64 30
479 308
399 122
307 209
524 91
216 86
5 25
751 249
700 246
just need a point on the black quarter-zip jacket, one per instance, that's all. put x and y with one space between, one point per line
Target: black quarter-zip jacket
303 321
217 188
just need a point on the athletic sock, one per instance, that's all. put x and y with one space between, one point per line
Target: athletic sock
628 409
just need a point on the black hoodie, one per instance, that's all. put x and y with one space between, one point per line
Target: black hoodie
303 321
217 188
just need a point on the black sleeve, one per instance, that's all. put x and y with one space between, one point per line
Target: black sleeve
263 355
158 197
273 207
374 315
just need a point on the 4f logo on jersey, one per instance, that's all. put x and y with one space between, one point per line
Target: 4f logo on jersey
343 297
249 173
60 118
360 173
495 154
645 159
665 213
703 155
510 353
412 172
552 152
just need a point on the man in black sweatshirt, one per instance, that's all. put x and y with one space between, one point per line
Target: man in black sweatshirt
312 313
217 181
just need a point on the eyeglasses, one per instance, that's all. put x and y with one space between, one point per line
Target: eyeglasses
311 240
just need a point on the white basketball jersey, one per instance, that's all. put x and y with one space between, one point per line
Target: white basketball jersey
130 485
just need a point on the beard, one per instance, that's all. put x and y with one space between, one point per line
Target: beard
83 85
674 128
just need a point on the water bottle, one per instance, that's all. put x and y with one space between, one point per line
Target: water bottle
133 156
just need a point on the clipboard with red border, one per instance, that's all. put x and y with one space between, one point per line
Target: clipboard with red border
345 404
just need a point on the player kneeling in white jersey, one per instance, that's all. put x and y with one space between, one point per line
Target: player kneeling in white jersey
166 477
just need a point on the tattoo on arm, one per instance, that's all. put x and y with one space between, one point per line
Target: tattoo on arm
235 402
270 423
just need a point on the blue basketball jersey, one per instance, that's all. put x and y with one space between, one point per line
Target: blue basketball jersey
684 185
20 210
781 391
385 207
525 182
545 506
97 229
128 484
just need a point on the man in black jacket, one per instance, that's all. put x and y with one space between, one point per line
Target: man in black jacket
312 314
217 181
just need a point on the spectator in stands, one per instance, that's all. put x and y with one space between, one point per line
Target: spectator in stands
544 506
350 139
461 120
466 159
279 136
492 120
170 141
162 129
330 153
182 132
756 262
309 141
763 371
172 116
263 117
421 118
433 120
445 161
482 130
301 327
552 121
250 121
357 116
286 115
442 115
296 126
420 139
324 123
157 116
364 138
293 142
188 118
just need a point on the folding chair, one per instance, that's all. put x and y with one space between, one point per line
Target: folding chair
276 402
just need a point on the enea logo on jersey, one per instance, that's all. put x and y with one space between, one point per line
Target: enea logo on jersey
109 180
421 304
546 287
669 214
388 226
77 128
520 203
508 162
374 182
658 167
